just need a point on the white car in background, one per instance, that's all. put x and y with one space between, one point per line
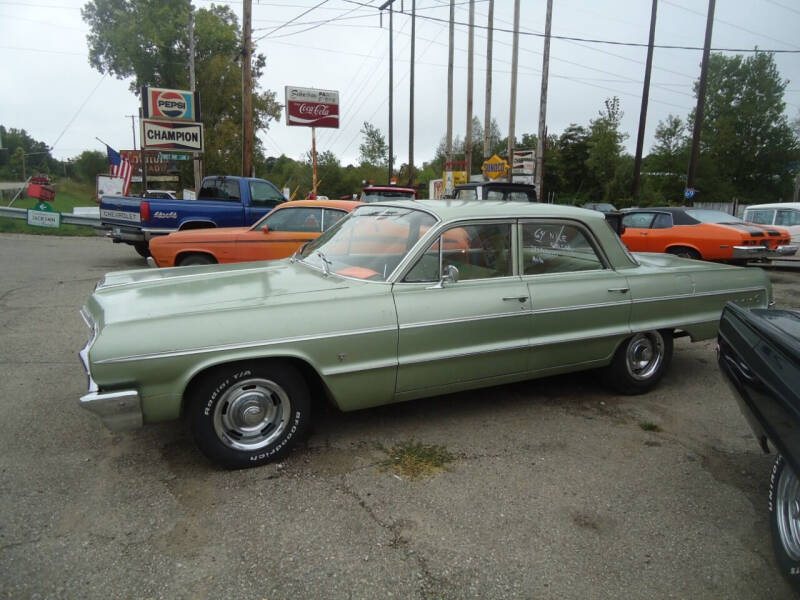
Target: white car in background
783 214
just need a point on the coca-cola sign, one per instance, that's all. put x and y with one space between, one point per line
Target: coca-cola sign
309 107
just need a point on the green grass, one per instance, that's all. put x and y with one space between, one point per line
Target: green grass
414 460
69 194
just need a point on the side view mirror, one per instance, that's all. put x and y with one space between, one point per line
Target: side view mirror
265 228
450 275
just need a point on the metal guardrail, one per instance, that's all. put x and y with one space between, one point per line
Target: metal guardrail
67 218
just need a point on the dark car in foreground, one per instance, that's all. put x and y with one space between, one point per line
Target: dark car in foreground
759 354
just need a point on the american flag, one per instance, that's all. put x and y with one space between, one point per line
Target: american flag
120 167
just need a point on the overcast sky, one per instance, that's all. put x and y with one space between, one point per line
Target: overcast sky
49 89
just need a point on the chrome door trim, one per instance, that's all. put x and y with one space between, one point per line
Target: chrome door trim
246 345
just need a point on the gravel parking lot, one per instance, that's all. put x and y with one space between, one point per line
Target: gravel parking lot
558 489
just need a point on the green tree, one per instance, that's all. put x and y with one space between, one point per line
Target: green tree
89 164
373 150
147 40
605 149
745 134
664 169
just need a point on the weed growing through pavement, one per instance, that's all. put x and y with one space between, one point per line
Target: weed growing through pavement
415 460
648 426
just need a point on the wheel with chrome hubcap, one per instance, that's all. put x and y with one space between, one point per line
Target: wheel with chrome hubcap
784 508
248 414
640 362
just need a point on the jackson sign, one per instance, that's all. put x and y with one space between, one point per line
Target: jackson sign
308 107
170 135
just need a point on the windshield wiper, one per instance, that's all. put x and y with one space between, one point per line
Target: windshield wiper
326 264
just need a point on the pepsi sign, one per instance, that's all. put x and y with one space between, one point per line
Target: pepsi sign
170 105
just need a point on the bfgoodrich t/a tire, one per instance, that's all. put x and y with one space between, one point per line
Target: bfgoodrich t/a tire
640 362
247 414
784 519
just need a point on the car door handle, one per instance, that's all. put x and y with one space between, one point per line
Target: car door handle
642 233
517 298
621 290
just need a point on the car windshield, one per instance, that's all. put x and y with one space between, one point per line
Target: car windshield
712 216
370 243
381 195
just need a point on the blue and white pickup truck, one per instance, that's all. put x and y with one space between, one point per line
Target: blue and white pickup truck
222 201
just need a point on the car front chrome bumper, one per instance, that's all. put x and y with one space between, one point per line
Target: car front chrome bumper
756 252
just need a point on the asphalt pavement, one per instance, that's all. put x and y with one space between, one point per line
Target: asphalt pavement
559 489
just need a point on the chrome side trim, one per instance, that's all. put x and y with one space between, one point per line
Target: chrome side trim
457 320
698 294
246 345
360 368
452 355
542 311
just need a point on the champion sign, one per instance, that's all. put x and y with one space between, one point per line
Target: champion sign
166 135
308 107
179 105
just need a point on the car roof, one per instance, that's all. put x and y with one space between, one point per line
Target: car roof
473 184
447 210
387 188
794 205
347 205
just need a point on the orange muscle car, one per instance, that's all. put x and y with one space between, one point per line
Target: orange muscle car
700 233
277 235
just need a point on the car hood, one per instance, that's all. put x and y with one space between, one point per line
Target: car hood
199 235
153 294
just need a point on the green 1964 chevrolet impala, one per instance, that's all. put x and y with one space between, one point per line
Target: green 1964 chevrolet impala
400 300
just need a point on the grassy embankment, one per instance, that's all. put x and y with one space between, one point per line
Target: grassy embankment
69 194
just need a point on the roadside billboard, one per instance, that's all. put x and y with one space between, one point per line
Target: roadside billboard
170 105
309 107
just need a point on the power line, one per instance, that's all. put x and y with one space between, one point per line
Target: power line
77 112
734 26
784 6
599 41
292 20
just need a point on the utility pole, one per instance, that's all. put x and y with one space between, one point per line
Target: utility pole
142 155
247 91
388 4
470 64
513 105
487 115
698 115
543 103
637 162
133 129
448 182
197 161
411 98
